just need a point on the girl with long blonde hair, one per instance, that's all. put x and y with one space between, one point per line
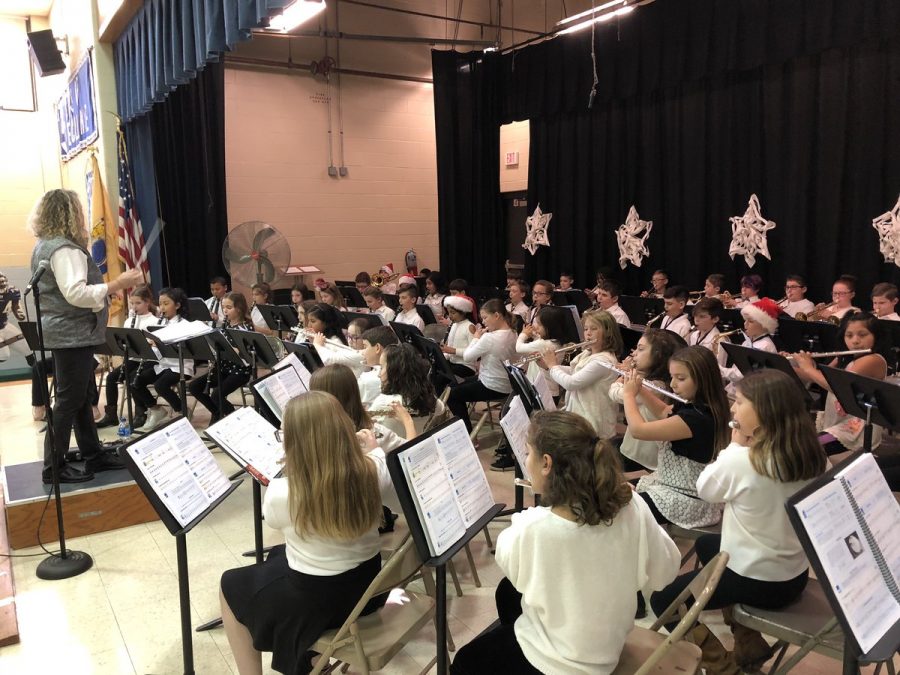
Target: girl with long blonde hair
328 506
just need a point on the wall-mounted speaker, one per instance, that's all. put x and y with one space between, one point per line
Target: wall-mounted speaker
44 53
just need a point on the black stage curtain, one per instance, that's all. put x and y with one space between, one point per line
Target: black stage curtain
189 153
699 104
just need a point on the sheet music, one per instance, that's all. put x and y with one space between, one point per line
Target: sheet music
866 482
294 362
515 426
543 388
250 440
433 496
279 388
473 493
850 567
180 469
179 331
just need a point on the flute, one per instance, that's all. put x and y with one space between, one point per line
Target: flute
649 385
830 355
309 336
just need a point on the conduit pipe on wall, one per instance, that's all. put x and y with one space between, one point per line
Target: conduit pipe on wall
247 62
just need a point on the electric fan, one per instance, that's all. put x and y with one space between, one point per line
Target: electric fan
255 252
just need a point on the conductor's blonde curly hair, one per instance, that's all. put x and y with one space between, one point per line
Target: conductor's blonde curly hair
58 214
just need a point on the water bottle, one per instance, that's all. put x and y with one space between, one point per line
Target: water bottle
124 429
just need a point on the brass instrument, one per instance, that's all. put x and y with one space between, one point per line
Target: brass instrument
565 349
814 315
720 337
379 279
831 355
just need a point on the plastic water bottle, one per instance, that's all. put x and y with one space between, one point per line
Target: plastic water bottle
124 429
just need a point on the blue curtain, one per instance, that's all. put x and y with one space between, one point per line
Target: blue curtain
139 140
169 41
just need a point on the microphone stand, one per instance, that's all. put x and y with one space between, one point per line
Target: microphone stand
68 563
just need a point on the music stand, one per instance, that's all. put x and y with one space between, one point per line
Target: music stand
731 319
808 336
873 401
279 318
374 320
129 343
352 295
749 360
254 347
442 374
191 348
391 301
406 332
427 315
640 310
306 353
531 400
221 350
198 311
417 531
893 329
630 338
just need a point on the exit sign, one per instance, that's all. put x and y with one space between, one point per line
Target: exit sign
512 159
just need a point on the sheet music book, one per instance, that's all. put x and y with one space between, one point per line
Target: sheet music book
250 441
447 484
181 330
852 523
515 427
180 469
543 388
294 362
279 387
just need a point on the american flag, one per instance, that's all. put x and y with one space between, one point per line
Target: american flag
131 237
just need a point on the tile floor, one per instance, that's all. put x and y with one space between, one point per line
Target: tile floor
122 616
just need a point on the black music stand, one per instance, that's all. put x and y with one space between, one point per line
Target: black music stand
630 338
889 644
531 399
640 310
439 563
129 343
808 336
352 296
893 329
374 320
278 318
873 401
442 374
427 315
180 534
221 350
391 301
406 332
307 354
194 348
255 349
198 311
749 360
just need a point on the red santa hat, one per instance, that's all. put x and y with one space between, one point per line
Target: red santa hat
406 279
461 303
764 311
387 268
320 283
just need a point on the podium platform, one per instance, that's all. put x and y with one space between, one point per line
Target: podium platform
110 501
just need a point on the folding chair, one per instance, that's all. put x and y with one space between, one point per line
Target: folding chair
647 651
693 535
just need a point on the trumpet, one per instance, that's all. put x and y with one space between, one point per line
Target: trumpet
831 355
379 279
814 315
565 349
720 337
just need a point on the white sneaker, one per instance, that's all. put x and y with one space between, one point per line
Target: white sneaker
155 416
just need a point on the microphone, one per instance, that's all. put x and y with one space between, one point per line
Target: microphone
39 272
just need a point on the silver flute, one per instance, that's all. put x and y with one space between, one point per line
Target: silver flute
649 385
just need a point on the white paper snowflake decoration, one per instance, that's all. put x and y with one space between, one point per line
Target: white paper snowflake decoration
888 227
536 226
632 237
748 233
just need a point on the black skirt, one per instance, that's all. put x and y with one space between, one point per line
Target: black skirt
287 611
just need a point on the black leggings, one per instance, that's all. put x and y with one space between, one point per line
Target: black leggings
165 384
117 375
467 392
496 650
211 400
733 588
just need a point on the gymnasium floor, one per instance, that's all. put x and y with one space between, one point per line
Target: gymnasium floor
122 616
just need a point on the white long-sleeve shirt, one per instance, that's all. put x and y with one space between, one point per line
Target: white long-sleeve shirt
645 453
574 620
756 531
681 325
411 318
619 315
524 347
587 382
493 349
69 265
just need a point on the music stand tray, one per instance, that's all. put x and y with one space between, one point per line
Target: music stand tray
440 366
427 315
749 360
406 332
198 311
374 320
640 310
249 342
308 356
279 318
808 336
873 401
352 296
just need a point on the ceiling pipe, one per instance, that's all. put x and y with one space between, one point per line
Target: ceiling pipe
248 62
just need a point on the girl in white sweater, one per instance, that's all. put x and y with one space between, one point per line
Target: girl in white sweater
773 454
588 379
547 331
557 614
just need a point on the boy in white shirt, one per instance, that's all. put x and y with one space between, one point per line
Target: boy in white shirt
795 296
518 291
218 288
375 302
884 302
675 320
608 298
408 314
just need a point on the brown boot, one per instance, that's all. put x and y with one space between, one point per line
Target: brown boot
716 659
751 651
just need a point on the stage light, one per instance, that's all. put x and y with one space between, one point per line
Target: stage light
296 14
590 12
597 19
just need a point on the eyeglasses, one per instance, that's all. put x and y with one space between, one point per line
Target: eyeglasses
279 435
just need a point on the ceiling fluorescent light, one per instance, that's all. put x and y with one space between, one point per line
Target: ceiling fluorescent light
599 19
589 12
296 14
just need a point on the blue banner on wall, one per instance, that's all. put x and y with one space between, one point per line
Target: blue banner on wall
75 113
